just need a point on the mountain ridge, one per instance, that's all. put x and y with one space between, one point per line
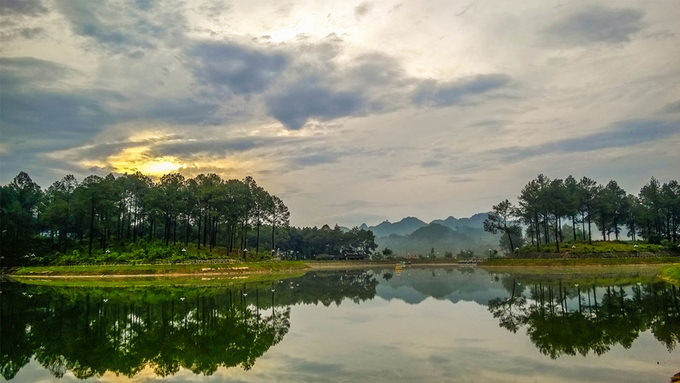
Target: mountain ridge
410 224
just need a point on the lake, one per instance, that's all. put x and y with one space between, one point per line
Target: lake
422 324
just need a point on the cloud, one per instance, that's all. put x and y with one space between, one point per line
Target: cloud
362 9
432 93
15 71
23 7
308 98
116 28
594 25
234 68
26 33
315 159
673 107
431 163
617 135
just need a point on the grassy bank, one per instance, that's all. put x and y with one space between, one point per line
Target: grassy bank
159 270
671 274
580 261
597 247
169 280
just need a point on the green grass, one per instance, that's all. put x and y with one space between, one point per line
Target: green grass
671 274
580 261
160 281
108 270
595 248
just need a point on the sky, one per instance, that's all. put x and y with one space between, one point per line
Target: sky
351 112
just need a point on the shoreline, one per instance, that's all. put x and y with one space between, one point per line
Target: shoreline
212 270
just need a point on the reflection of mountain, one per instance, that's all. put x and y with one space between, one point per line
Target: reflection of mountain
572 320
93 330
453 284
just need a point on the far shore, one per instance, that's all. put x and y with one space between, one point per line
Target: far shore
282 267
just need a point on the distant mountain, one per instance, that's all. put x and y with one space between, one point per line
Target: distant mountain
476 220
404 227
409 225
442 239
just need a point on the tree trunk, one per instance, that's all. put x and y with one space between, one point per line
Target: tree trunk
89 251
590 234
557 239
273 227
257 240
200 217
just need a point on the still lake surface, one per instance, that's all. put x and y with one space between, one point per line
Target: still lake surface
421 325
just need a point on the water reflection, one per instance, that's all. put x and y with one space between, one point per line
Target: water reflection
575 319
89 331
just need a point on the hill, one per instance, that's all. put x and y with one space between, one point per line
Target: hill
409 225
476 220
442 239
404 227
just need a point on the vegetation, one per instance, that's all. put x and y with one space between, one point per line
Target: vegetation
547 206
133 219
671 274
160 269
578 261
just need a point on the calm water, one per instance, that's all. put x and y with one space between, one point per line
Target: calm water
429 325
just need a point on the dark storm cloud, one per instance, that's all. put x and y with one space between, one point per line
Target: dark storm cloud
617 135
432 93
234 68
594 25
308 98
23 7
673 107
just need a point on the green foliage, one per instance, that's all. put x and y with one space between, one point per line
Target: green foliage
466 254
545 206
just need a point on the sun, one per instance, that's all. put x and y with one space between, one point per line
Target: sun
159 167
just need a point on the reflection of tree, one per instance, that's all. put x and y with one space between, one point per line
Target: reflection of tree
600 318
502 309
91 331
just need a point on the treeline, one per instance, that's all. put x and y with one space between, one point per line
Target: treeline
131 217
545 206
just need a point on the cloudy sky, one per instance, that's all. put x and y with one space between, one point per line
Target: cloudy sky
351 112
